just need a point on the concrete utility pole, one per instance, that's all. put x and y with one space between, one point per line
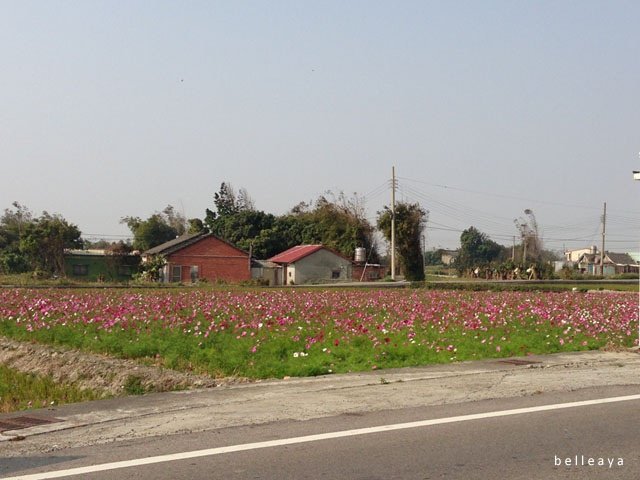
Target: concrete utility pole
636 176
604 223
393 223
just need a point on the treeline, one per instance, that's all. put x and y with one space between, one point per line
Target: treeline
29 243
479 256
336 221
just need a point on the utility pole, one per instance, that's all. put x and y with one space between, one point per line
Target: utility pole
393 223
636 177
604 223
513 250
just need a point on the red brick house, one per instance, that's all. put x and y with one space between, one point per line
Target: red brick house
192 257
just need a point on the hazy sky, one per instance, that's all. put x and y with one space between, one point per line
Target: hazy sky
486 108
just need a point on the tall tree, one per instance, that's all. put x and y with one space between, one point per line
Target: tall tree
335 221
12 225
531 242
228 203
157 229
476 250
45 239
244 202
175 220
410 219
196 226
243 228
340 223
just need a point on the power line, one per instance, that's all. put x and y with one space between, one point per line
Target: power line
511 197
581 229
376 192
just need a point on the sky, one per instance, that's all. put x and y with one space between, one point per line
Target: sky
485 108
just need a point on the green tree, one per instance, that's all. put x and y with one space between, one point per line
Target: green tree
196 226
243 228
228 203
410 219
157 229
12 225
150 271
335 221
285 232
476 250
45 239
433 257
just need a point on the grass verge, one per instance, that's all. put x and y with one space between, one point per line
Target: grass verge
21 391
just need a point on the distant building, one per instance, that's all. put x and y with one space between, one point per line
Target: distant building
368 272
448 257
100 265
192 257
614 264
572 256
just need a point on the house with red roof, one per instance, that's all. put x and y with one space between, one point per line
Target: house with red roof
312 264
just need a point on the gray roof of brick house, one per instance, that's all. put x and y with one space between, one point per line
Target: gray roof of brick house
183 241
175 244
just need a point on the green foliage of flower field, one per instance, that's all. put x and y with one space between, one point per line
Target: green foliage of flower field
275 333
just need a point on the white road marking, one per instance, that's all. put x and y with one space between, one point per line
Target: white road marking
313 438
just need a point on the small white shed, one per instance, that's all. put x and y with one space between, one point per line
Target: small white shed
312 264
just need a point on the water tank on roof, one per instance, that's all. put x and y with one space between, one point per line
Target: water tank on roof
361 255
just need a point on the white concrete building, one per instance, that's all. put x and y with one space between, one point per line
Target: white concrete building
312 264
572 256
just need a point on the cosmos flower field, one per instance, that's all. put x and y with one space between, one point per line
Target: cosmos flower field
275 333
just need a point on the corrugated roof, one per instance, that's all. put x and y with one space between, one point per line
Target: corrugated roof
621 258
183 241
295 253
263 264
175 244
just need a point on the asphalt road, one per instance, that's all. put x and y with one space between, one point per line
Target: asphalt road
531 445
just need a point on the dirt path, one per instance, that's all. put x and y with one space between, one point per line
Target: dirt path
99 372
